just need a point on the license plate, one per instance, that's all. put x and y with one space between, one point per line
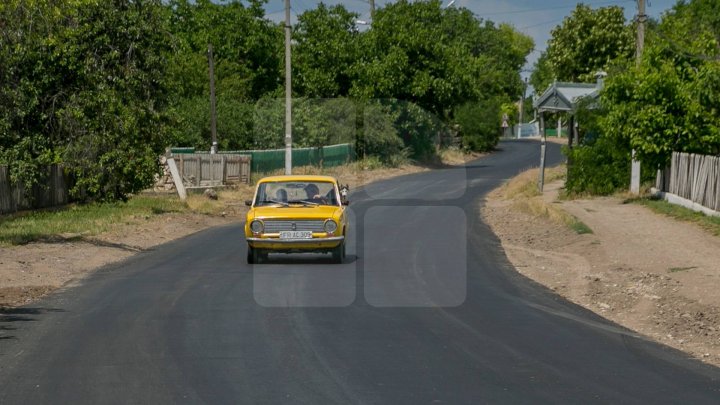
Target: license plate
295 235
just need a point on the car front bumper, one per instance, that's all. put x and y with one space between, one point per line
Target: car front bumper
296 245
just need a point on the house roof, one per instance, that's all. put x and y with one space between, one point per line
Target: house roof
562 96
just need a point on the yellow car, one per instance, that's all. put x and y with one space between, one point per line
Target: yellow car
296 214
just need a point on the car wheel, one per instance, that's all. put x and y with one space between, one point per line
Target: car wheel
338 253
252 255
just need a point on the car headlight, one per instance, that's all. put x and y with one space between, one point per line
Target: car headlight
330 226
257 226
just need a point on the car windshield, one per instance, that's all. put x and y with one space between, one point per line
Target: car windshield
289 193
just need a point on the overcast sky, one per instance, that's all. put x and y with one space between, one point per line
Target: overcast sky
533 17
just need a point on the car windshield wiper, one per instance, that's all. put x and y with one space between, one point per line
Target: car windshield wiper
284 204
305 202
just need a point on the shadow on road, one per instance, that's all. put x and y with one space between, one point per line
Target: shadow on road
12 315
303 259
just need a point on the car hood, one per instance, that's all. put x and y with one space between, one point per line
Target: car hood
316 212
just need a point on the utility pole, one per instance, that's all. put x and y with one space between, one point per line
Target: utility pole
522 104
372 8
541 179
288 93
213 114
641 18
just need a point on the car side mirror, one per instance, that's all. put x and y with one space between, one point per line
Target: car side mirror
346 202
248 203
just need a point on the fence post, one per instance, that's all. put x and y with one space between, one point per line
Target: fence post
182 165
198 171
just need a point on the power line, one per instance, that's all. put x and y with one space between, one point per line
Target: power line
556 20
531 10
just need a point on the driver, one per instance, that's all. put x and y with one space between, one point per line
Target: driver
313 194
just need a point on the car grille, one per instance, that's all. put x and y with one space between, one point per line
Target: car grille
275 226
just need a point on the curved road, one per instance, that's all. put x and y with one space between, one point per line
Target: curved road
427 309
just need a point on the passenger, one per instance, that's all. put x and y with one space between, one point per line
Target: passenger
281 195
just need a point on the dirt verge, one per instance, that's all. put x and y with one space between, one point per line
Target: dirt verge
650 273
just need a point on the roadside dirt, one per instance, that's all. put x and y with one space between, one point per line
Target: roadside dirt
647 272
28 272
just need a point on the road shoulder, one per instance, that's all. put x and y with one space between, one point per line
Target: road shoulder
647 272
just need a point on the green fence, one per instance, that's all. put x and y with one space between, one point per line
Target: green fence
553 132
263 161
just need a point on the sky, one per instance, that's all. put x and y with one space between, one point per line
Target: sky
533 17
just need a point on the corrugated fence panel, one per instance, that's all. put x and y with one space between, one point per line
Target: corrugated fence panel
696 178
264 161
202 169
337 155
53 192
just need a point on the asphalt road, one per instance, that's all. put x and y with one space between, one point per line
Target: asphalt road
427 309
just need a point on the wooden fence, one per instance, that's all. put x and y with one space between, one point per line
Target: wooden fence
204 169
693 177
53 192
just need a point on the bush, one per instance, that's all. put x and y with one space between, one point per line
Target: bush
379 137
598 168
478 123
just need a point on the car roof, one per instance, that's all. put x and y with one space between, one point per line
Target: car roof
297 177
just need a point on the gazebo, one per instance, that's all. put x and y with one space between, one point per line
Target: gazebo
565 97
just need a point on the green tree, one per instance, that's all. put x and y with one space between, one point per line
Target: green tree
29 86
588 40
438 58
433 60
112 123
325 51
542 75
83 84
247 50
671 103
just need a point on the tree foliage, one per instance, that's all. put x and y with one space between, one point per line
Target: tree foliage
588 40
104 86
438 58
91 76
325 52
247 53
671 101
478 124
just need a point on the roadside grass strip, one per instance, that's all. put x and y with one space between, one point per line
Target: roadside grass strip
711 224
77 221
538 207
522 190
677 269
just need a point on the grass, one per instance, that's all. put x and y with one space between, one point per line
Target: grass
79 221
456 156
526 183
523 191
538 207
677 269
579 227
711 224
